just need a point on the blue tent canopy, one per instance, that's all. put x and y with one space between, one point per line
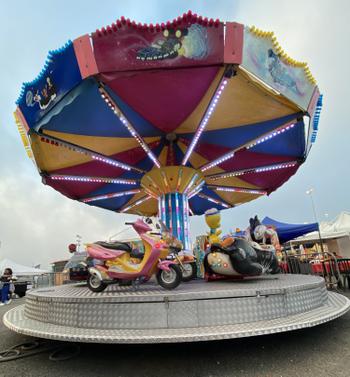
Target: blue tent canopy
287 232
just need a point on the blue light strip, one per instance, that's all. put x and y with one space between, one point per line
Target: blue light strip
316 118
173 208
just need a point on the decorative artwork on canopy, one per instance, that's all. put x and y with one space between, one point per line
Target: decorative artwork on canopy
169 119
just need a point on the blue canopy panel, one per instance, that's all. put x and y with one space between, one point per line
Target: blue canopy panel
84 112
290 143
287 232
235 137
112 204
199 205
58 77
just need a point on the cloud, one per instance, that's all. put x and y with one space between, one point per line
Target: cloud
37 223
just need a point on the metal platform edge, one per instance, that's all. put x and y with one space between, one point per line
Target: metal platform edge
337 305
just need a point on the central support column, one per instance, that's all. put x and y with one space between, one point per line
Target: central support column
173 186
173 211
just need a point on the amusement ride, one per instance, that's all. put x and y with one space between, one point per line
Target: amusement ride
172 120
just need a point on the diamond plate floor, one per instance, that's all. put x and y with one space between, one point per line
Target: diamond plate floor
197 311
269 284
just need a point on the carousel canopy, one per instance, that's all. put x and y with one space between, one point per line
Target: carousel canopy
216 111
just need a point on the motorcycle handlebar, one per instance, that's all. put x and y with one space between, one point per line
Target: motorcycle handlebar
156 233
127 223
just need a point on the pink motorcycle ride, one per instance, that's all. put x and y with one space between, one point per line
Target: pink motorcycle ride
114 266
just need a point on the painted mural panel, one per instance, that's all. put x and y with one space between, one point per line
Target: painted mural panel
186 44
261 59
60 74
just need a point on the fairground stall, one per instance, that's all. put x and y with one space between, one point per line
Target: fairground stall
171 120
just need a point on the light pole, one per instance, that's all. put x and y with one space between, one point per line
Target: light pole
309 192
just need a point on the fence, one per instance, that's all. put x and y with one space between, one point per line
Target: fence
51 279
335 271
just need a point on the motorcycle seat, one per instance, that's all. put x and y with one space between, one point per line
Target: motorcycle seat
99 252
117 245
136 253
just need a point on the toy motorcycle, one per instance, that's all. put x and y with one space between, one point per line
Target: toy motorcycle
185 260
237 258
115 265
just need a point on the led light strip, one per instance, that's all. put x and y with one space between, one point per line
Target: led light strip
160 209
138 202
170 211
163 217
179 178
196 190
190 184
177 214
270 135
154 184
260 169
210 199
249 145
316 118
110 196
238 189
117 111
165 180
94 155
205 119
76 178
185 212
218 161
150 193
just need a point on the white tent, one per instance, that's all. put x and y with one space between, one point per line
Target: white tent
19 269
340 227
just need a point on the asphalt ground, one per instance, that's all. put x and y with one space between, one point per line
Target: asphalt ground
319 351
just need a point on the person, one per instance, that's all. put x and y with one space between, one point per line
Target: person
5 282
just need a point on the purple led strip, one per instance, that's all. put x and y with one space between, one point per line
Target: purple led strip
94 155
242 190
210 199
249 144
80 178
196 190
177 214
261 169
110 196
205 119
117 111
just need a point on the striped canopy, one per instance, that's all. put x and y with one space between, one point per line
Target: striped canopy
220 98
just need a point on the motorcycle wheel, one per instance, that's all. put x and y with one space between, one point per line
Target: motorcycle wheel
95 284
169 279
189 271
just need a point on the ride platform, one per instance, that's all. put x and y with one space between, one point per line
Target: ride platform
195 311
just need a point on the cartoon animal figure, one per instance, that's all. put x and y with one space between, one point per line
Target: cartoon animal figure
46 95
190 43
167 48
262 234
279 73
213 218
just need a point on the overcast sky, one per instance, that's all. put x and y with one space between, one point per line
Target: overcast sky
37 223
